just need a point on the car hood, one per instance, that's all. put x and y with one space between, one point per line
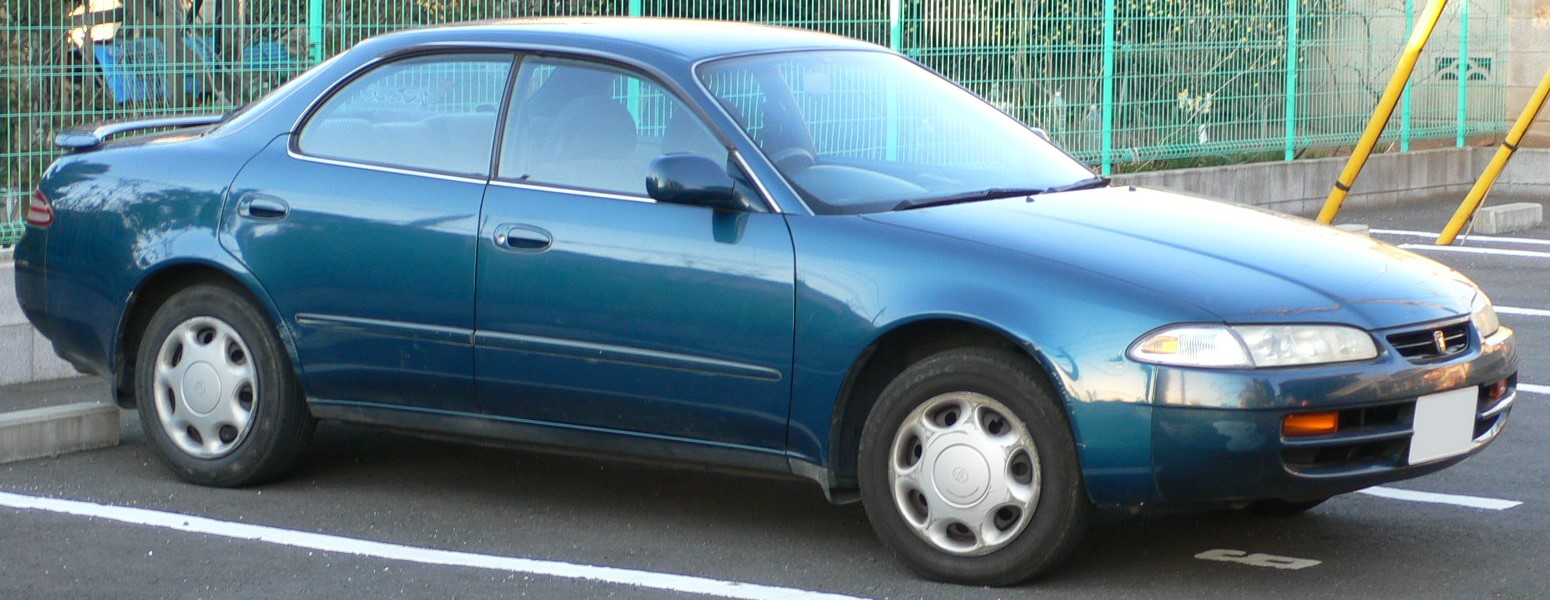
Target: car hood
1242 264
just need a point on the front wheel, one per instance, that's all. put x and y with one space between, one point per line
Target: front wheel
217 397
968 469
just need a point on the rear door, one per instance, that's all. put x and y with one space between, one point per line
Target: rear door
362 229
599 308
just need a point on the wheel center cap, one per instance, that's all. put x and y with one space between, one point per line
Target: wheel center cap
201 388
961 475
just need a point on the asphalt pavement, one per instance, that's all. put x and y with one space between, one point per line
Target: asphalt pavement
541 524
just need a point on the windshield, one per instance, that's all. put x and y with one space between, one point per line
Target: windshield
858 132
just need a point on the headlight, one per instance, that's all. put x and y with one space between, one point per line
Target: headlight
1483 315
1192 346
1249 346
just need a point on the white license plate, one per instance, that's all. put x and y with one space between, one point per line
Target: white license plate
1444 425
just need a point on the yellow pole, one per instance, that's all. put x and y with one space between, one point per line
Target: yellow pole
1504 153
1380 117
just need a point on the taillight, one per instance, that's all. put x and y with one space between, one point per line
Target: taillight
40 213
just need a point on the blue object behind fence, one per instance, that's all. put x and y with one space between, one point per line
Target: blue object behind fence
135 69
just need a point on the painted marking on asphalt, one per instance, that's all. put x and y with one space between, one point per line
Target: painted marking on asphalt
1473 250
1472 238
1534 389
1529 312
1429 497
1257 560
429 556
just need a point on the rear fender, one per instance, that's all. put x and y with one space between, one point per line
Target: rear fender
162 282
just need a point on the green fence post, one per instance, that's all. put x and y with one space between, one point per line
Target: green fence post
1463 66
1404 100
896 25
315 30
1106 160
1291 78
635 9
895 43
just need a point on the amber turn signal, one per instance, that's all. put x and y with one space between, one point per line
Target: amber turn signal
1497 390
1318 423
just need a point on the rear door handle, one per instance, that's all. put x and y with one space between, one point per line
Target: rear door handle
262 207
523 238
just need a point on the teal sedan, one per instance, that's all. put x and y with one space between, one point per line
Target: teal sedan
748 247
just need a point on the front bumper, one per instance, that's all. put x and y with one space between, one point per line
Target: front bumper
1217 436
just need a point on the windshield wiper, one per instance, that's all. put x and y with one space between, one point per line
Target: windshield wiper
996 193
990 194
1090 183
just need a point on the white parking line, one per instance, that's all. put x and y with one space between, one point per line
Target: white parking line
1472 238
429 556
1473 250
1414 496
1530 312
1534 389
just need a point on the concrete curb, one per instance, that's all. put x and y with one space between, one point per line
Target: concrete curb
1508 218
56 430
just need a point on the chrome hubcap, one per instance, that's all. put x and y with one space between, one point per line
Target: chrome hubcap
965 473
206 387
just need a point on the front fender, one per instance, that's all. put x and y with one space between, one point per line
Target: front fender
857 280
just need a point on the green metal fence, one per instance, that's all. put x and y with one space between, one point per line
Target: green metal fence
1123 84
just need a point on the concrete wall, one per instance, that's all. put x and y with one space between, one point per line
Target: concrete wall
1528 175
1529 30
1301 187
24 355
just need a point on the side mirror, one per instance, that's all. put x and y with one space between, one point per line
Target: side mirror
694 180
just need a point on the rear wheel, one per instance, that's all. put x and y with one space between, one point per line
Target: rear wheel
968 470
217 396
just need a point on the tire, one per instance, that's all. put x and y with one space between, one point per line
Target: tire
1029 513
217 396
1282 508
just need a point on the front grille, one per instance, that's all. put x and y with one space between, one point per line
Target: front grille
1422 346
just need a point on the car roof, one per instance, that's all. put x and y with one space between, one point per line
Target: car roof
690 40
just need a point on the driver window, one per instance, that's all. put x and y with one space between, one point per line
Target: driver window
585 125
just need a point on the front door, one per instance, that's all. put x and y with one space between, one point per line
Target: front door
598 308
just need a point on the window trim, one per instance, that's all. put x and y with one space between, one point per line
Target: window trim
565 189
387 168
293 145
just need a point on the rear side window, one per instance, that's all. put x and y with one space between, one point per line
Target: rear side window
434 113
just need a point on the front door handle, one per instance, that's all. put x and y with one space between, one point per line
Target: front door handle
262 207
523 238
